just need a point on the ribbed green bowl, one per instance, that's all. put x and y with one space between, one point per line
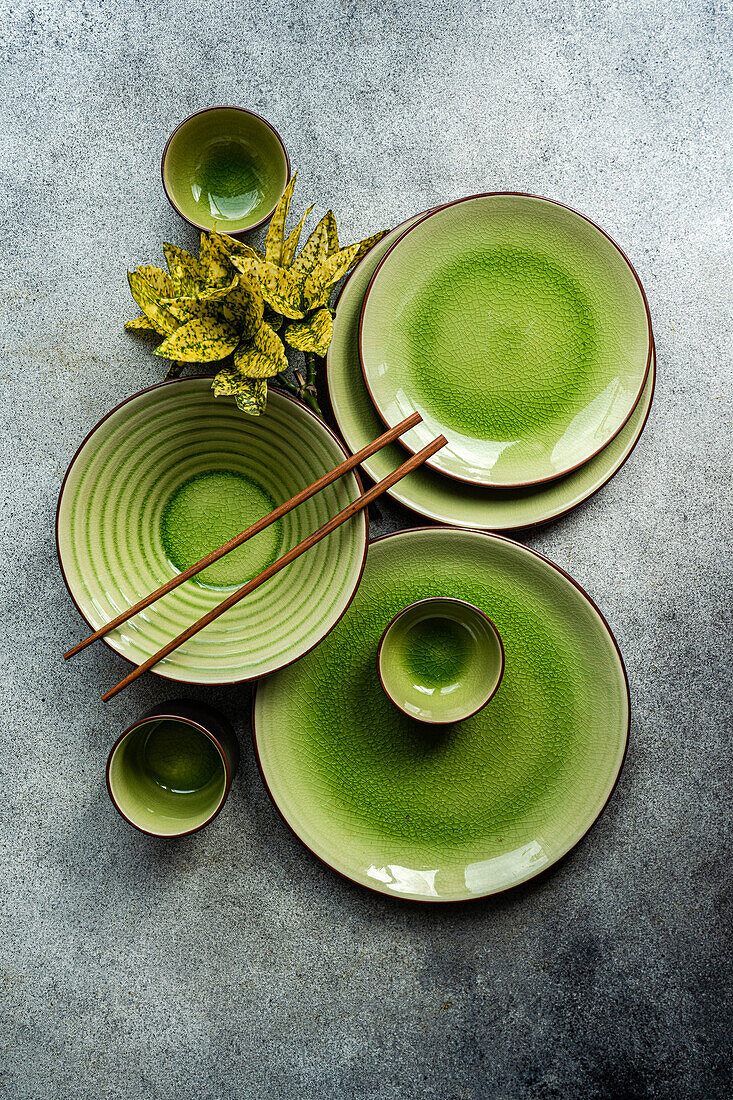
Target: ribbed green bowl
134 494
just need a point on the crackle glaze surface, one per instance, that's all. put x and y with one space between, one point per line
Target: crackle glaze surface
144 463
464 810
515 327
427 491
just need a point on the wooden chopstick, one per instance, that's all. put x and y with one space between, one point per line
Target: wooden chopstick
346 513
260 525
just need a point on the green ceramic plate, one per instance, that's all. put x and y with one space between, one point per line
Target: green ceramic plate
461 811
517 328
171 474
428 492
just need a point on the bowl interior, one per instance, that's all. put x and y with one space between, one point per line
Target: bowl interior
225 167
167 776
170 475
440 660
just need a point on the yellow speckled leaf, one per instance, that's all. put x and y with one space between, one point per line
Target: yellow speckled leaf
293 237
247 306
314 334
228 381
363 246
239 248
214 259
232 382
183 309
314 252
147 298
317 287
186 272
268 343
159 280
253 364
174 370
276 231
277 286
217 293
200 341
141 324
332 236
253 399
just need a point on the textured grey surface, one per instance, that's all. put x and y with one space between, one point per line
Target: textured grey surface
231 964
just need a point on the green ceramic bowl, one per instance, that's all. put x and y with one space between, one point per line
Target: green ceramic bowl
171 474
169 774
440 660
225 168
517 328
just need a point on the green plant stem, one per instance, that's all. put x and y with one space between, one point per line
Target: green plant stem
302 392
310 393
310 378
287 385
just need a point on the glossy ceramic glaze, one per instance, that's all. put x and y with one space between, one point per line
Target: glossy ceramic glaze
440 660
225 168
171 474
516 327
478 806
169 774
427 491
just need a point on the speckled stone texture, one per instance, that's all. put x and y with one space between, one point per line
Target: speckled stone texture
231 964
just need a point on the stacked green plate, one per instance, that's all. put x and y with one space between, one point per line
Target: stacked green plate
429 492
444 813
170 475
516 327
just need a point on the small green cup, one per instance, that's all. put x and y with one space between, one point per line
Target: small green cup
225 168
440 660
170 772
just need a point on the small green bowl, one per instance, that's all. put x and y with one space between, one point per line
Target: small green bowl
440 660
170 772
171 474
225 168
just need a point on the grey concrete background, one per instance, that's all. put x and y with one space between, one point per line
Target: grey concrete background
231 964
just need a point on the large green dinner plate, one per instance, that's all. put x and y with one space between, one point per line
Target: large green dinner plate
171 474
459 811
517 328
429 492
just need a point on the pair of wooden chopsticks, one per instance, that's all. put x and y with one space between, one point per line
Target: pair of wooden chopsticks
305 494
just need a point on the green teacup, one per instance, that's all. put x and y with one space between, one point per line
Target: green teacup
169 774
440 660
225 168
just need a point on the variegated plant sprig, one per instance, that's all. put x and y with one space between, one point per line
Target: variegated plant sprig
238 307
